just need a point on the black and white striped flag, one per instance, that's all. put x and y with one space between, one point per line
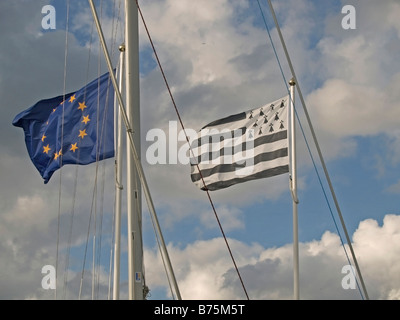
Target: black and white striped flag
242 147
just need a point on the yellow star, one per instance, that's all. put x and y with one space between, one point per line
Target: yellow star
43 137
57 154
86 119
54 110
82 133
46 149
74 147
72 99
82 106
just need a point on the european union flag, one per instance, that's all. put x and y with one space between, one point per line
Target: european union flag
77 128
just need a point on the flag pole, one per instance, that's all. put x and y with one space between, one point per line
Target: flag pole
293 188
319 151
137 163
118 183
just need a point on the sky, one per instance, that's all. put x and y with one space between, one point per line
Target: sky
219 61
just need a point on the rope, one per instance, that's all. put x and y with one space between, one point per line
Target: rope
97 193
62 129
94 198
87 239
187 139
70 235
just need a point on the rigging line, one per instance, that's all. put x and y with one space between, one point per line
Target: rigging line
87 238
118 165
78 155
100 141
318 149
308 146
94 266
162 256
110 267
132 144
114 28
70 234
98 234
118 183
100 134
77 167
187 139
305 139
95 188
62 129
100 228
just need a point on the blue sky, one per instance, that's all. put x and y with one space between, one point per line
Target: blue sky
219 61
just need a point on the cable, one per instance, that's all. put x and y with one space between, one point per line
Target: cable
306 141
187 139
315 141
62 129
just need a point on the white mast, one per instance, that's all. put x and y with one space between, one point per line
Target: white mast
319 151
134 205
118 183
293 188
134 152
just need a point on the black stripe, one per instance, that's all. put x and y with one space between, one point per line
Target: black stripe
224 168
233 118
218 137
210 156
259 175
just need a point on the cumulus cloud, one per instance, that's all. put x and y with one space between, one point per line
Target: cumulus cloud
357 96
204 269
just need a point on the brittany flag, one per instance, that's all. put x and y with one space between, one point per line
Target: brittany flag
242 147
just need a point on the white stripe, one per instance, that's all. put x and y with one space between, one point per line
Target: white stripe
242 156
266 109
205 146
243 172
238 138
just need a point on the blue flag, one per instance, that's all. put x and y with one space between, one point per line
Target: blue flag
77 128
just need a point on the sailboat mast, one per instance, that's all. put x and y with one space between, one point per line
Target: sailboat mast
293 188
118 182
135 275
134 205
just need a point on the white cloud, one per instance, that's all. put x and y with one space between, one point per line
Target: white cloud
394 188
204 35
205 271
200 267
230 218
358 95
